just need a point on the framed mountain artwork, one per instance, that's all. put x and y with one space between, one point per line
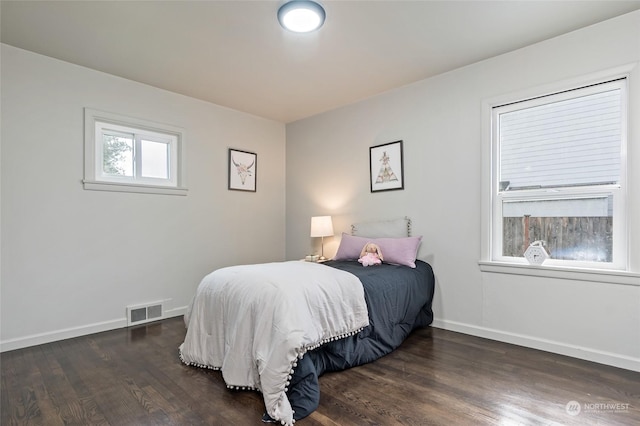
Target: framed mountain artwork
386 167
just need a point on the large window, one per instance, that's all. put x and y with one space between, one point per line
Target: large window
558 176
126 154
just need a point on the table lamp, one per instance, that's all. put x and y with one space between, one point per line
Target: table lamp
321 226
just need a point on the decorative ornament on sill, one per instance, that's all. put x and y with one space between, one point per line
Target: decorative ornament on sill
535 253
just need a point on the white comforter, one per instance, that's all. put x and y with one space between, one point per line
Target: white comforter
254 321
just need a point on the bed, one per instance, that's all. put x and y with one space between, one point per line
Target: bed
277 327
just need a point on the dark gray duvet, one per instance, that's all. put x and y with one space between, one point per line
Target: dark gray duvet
399 301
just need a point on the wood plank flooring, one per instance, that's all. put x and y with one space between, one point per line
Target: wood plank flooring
134 377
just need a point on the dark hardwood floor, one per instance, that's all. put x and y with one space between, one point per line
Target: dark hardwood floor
134 377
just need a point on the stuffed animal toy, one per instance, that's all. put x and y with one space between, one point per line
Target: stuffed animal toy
371 255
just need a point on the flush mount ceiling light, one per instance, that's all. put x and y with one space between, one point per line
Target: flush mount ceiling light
301 16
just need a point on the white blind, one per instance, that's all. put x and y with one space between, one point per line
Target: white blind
568 142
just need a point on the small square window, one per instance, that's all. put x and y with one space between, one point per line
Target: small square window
133 155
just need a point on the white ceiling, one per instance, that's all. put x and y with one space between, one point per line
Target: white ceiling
234 53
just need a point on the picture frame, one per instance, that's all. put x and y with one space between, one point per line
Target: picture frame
386 167
243 166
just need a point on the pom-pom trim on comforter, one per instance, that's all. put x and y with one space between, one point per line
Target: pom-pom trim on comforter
276 312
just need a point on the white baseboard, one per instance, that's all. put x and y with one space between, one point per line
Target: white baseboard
616 360
601 357
69 333
175 312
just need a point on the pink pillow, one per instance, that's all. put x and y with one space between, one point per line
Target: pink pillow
398 251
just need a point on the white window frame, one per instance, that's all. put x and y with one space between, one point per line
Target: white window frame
97 122
491 214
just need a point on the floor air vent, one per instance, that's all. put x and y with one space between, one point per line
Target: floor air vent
140 314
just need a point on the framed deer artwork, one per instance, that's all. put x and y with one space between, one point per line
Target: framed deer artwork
242 170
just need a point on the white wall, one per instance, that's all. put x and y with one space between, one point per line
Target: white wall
72 259
439 120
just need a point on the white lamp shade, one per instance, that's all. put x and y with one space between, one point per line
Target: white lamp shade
321 226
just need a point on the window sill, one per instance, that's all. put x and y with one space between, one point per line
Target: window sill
145 189
594 275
